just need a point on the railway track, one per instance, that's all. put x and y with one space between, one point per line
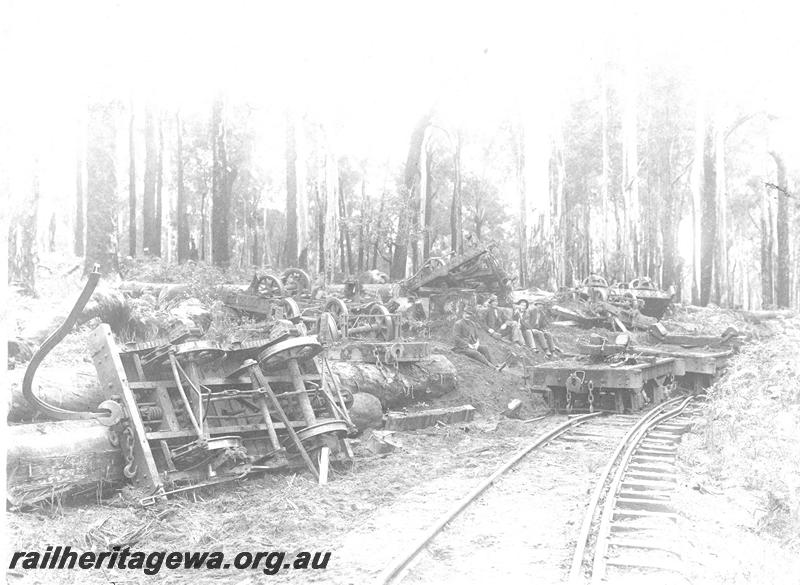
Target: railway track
630 529
502 509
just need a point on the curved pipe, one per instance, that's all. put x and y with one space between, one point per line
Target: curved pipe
46 347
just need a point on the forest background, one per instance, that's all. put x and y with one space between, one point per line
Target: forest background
622 140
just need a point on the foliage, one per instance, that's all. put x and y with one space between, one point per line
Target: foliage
754 421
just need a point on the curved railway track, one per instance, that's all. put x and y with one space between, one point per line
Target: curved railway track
595 433
629 527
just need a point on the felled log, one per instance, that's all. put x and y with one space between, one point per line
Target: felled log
71 388
72 460
408 383
758 316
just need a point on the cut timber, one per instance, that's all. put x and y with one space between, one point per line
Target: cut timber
71 388
65 459
400 385
428 418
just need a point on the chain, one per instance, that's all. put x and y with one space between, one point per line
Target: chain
590 386
127 450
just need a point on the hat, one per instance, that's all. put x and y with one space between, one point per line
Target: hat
519 302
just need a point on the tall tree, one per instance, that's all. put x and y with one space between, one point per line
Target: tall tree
149 233
181 211
408 196
782 288
159 188
221 183
708 239
101 185
767 238
456 215
22 249
131 186
291 192
80 212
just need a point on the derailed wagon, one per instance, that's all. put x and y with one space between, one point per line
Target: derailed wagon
580 384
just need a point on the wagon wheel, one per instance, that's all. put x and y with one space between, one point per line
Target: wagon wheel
327 328
270 285
295 281
313 437
199 352
643 283
291 310
379 315
297 348
338 310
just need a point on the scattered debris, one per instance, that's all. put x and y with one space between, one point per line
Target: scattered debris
428 418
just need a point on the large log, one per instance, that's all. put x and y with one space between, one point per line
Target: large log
408 383
69 387
64 460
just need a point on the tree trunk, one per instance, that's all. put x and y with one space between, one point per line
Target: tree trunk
131 187
412 178
101 186
456 213
362 224
220 188
708 240
347 244
430 195
22 249
767 281
291 193
159 190
80 212
149 233
181 211
697 198
782 288
522 225
606 164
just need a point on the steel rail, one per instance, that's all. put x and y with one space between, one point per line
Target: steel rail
583 538
400 562
631 440
601 545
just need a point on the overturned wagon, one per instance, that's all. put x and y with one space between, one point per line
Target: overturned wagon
573 384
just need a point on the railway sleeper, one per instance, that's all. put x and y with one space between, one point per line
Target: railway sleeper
664 466
660 458
644 504
644 563
648 483
672 516
663 545
664 435
656 451
651 495
665 475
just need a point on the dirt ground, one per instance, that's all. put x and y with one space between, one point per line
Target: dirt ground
372 509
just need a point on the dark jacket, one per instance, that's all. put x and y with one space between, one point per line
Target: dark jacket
538 319
465 333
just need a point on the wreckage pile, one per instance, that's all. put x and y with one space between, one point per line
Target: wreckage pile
183 411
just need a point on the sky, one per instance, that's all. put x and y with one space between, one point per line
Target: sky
372 68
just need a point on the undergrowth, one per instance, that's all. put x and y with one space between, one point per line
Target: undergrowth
754 425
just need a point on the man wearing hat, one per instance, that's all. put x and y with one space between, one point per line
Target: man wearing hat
465 332
538 330
522 333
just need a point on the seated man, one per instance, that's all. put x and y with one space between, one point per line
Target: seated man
521 333
538 329
467 343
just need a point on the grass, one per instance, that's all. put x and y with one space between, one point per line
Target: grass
753 428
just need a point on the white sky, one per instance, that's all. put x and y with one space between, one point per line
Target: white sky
372 68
